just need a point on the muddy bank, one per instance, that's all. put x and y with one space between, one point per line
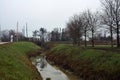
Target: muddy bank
70 75
76 67
34 53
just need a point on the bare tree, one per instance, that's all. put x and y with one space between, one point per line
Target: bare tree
5 36
35 34
107 18
71 30
93 23
42 34
86 26
116 11
112 9
65 35
55 35
75 26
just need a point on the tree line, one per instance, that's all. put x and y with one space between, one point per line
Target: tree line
87 23
5 36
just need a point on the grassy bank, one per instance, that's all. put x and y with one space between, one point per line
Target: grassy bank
14 62
88 63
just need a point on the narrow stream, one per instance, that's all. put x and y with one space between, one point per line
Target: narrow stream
47 71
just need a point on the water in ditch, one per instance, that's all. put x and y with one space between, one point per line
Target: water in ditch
47 71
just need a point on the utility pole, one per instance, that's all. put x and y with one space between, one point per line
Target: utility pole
23 31
26 31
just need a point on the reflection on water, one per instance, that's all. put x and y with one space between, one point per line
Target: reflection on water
48 71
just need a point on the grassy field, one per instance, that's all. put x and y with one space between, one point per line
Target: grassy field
14 62
90 63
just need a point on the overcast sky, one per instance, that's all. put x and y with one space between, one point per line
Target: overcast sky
41 13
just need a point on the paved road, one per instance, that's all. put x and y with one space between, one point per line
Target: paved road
3 42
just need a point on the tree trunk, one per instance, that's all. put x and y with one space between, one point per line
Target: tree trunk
85 39
78 43
74 41
111 33
92 38
118 43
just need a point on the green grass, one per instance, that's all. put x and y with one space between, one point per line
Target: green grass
98 59
14 63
